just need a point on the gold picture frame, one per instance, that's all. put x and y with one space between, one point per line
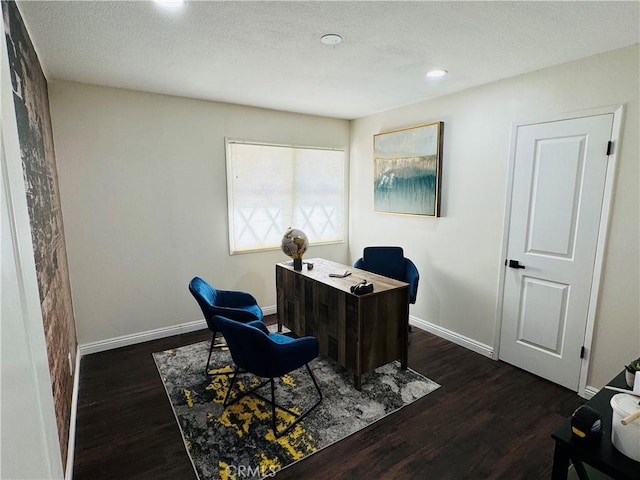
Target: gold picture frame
407 168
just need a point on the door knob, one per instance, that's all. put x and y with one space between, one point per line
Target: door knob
515 264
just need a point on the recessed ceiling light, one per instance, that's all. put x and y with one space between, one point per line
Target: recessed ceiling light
170 4
331 39
436 73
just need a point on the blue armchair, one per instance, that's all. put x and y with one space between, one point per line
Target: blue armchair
390 262
240 306
267 355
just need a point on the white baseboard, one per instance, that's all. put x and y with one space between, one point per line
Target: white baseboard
589 392
452 336
140 337
71 441
132 339
475 346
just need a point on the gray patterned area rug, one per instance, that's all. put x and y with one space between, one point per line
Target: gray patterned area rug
237 442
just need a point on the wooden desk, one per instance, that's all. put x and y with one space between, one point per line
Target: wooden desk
602 456
360 332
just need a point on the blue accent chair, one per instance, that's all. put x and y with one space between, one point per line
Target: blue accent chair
390 262
240 306
267 355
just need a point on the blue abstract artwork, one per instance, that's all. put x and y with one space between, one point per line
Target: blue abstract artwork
407 164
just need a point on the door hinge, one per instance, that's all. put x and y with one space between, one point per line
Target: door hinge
609 148
583 352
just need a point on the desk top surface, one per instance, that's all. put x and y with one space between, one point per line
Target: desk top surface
603 456
322 268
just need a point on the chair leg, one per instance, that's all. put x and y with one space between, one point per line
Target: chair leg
277 433
211 347
232 381
213 340
273 408
315 383
272 401
233 376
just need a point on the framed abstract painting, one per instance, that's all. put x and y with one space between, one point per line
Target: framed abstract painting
407 168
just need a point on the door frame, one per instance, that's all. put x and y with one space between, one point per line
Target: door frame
42 424
603 230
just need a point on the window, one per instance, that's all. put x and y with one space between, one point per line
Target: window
273 187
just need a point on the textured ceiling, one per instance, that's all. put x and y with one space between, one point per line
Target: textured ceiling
268 54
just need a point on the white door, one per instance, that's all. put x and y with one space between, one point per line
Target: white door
556 204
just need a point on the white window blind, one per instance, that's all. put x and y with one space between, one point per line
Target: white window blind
273 187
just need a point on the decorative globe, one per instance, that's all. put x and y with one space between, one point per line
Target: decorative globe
295 244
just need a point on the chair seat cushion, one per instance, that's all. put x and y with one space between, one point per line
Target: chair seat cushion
255 309
281 339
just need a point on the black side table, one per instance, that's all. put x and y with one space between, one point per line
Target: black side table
602 456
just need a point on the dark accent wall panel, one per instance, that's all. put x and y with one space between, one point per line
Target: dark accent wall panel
40 175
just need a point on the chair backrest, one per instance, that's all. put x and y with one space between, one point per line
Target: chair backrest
412 278
387 261
237 305
247 344
204 294
390 262
265 355
254 351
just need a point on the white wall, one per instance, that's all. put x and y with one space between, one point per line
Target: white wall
143 187
459 254
142 181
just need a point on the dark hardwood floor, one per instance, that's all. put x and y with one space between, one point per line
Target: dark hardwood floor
488 420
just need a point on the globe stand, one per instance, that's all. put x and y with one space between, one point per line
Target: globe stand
294 244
